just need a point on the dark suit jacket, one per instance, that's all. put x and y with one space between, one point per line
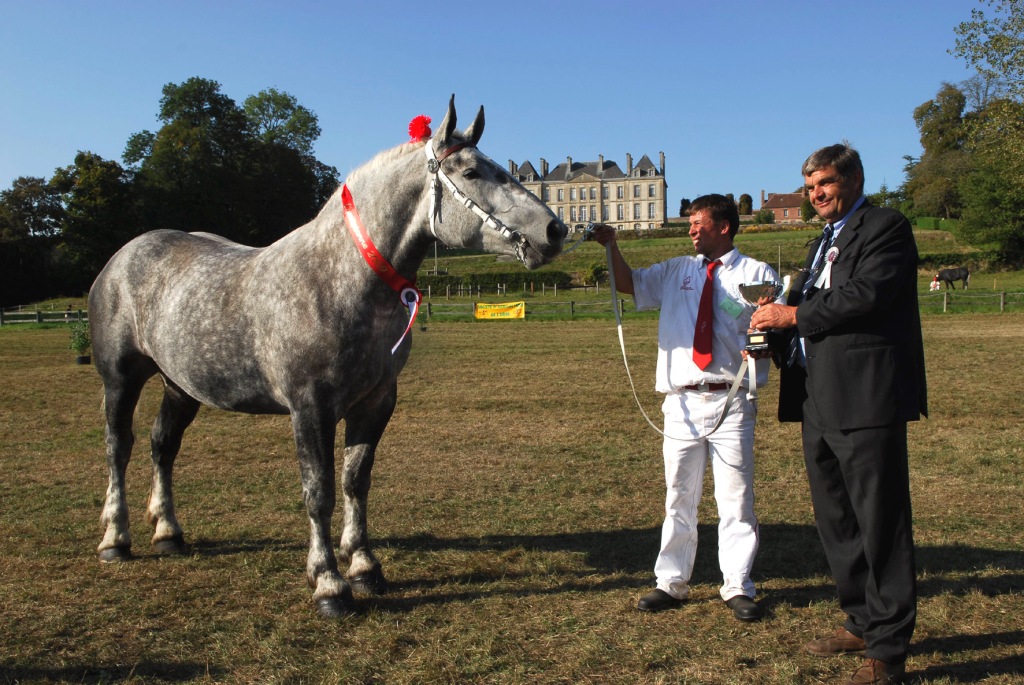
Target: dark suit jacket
865 356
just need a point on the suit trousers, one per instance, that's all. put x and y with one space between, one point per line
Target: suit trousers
686 450
860 488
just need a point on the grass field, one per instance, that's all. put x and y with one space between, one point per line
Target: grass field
516 504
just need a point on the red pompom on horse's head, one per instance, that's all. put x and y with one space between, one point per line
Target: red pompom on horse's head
419 128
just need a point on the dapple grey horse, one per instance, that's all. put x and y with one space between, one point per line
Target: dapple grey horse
307 326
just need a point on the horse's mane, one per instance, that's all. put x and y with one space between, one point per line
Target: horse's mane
385 157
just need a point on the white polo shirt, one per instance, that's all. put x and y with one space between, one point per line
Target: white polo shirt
675 287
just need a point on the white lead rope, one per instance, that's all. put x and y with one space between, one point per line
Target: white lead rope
752 394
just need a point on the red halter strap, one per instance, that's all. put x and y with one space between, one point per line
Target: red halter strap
406 289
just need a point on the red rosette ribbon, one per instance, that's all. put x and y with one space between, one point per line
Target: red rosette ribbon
419 128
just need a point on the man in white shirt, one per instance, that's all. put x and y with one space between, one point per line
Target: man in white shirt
695 369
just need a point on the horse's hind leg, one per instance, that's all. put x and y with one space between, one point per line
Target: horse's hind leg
119 399
176 413
364 427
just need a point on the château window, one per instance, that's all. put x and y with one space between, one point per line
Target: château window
652 191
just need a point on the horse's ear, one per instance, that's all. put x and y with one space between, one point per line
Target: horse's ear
447 128
476 129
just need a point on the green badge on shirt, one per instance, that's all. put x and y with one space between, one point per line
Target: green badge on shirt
731 307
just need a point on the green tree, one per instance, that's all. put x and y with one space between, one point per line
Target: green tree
277 118
30 208
746 204
807 212
764 216
932 184
886 198
993 44
213 166
100 216
31 214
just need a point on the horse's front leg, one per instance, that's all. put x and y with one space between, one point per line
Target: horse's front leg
364 426
176 414
314 443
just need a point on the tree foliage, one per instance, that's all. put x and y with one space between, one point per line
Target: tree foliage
992 188
746 204
99 216
278 119
246 173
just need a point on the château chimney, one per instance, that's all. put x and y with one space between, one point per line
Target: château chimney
600 166
629 164
568 167
662 156
543 167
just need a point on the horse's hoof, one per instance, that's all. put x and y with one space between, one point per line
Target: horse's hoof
173 545
370 583
113 555
335 608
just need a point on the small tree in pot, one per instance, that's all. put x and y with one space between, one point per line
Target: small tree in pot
80 341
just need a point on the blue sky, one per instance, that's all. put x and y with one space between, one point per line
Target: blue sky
736 94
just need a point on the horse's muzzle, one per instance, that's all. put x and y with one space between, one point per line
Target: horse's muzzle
556 232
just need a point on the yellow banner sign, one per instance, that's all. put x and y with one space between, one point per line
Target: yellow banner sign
504 310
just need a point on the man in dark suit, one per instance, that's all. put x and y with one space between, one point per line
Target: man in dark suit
854 375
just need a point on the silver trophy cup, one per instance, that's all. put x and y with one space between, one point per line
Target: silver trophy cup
756 294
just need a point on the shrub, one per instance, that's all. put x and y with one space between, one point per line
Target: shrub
80 341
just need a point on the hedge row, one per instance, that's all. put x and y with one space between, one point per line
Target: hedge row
982 260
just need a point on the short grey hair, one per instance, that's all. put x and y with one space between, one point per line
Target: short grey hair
841 157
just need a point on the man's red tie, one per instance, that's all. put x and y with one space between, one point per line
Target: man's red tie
705 317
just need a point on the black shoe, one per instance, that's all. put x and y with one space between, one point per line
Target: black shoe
658 600
744 608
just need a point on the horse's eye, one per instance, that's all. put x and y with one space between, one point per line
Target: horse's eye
470 174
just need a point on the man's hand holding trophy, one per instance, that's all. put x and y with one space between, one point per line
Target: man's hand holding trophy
759 343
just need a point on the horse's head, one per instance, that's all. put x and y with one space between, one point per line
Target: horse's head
493 211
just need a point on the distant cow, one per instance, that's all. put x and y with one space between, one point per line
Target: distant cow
948 276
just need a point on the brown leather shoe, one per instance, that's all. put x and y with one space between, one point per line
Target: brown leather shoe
875 672
842 641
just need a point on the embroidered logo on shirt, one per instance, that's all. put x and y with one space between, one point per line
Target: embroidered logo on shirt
686 284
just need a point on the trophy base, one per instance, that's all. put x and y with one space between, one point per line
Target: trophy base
757 341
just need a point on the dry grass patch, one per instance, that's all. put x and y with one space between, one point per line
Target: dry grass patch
516 506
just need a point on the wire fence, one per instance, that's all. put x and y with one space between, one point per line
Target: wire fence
967 301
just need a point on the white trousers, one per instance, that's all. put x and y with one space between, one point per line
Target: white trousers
686 449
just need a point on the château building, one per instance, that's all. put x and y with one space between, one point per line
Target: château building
581 192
